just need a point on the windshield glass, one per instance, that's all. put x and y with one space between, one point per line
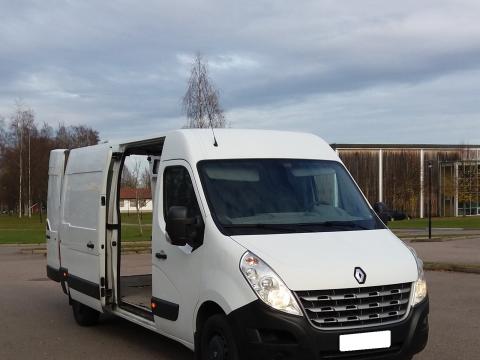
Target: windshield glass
259 196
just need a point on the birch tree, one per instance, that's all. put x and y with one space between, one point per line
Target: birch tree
201 102
22 122
136 174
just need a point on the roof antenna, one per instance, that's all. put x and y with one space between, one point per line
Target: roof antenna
213 132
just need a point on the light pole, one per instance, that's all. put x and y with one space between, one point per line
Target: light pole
429 199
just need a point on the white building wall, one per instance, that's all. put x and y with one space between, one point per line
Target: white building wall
129 206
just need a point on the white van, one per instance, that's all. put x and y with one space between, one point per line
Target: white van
263 247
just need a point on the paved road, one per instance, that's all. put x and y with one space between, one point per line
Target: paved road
36 321
462 251
460 246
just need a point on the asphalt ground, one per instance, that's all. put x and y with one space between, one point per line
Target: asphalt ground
458 251
37 323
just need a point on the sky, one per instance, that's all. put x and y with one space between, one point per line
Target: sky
349 71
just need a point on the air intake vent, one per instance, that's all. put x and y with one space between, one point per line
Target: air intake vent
356 307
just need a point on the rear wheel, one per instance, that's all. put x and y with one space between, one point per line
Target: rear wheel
84 315
217 341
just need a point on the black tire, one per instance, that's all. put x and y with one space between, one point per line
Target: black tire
217 341
84 315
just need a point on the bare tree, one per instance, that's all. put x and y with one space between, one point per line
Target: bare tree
145 178
75 136
127 179
201 101
136 174
22 121
24 156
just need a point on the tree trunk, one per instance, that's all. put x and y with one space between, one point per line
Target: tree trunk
138 212
29 180
20 173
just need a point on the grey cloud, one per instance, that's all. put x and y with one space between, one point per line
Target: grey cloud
122 66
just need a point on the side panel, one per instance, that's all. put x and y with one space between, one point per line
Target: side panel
176 279
83 226
56 168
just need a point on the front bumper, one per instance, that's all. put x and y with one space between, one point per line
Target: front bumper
267 334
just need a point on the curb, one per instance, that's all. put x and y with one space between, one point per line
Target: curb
451 267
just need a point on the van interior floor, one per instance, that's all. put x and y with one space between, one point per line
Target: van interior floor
136 291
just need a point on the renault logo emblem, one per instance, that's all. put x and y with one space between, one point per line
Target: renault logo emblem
360 275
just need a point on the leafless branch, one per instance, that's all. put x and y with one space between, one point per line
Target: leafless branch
201 102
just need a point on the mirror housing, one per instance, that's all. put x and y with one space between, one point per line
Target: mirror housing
183 230
382 211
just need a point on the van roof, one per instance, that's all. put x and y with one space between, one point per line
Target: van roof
198 144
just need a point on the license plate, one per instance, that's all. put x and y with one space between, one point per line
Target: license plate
366 341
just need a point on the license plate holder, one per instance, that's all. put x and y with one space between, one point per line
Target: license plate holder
365 341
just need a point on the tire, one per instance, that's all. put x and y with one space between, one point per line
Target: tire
217 341
84 315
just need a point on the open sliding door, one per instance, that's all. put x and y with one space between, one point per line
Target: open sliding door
84 205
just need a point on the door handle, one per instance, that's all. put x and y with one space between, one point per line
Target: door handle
90 245
161 255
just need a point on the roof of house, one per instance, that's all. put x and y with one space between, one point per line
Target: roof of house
130 193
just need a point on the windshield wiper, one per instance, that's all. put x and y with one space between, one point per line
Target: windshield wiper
276 227
343 224
297 228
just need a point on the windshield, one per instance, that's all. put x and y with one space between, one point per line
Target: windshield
261 196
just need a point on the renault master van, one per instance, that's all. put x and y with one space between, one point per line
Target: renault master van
263 247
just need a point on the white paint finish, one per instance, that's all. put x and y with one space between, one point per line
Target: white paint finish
422 183
366 341
55 178
87 159
210 273
176 279
194 145
310 261
316 261
83 216
87 300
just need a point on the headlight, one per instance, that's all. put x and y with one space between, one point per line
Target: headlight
420 291
267 285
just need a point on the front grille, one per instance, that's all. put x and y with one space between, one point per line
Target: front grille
356 307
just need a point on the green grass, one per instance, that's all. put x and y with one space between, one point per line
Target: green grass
131 230
21 231
466 222
31 231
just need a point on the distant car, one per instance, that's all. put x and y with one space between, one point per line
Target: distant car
387 214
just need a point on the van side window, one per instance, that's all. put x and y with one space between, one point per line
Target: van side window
178 191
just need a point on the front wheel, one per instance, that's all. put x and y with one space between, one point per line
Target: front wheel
217 341
84 315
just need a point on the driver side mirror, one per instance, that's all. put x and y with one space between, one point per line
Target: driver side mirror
183 230
382 212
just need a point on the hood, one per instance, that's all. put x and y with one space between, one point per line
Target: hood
316 261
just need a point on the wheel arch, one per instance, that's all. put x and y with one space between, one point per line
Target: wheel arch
206 310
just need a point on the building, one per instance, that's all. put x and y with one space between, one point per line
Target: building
130 196
398 175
